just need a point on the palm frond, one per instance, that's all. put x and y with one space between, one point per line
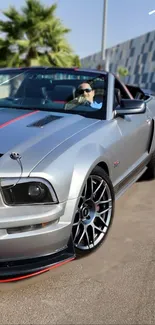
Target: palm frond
35 36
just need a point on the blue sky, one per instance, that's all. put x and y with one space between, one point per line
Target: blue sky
126 19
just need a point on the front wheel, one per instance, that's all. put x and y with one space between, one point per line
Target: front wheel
95 212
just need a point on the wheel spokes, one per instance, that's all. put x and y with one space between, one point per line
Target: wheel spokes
85 191
106 210
87 236
102 194
99 229
93 235
77 231
101 219
98 188
90 228
104 202
81 237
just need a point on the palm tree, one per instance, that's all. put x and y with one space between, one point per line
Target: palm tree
76 61
122 72
34 37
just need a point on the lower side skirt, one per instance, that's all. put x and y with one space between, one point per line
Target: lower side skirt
131 177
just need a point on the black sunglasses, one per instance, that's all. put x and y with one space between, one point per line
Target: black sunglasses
87 90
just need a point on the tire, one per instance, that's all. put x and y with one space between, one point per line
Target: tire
89 230
151 167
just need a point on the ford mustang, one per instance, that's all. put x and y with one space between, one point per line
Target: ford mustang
72 141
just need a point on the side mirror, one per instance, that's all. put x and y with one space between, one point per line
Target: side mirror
130 106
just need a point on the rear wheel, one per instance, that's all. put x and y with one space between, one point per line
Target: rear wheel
95 212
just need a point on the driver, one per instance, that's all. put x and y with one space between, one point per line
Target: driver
85 90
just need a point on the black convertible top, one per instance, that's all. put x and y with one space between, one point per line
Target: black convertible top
139 92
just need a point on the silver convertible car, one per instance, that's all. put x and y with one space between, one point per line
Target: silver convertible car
72 141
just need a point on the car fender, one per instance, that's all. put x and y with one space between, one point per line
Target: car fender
67 171
87 158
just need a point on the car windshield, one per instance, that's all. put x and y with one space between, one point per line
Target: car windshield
64 90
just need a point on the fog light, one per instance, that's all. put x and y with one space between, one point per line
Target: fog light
36 191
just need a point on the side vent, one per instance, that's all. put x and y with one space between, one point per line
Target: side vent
47 119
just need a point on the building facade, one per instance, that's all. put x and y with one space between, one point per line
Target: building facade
137 55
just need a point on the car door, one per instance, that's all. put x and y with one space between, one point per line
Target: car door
132 144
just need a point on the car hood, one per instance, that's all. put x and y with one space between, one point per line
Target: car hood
34 134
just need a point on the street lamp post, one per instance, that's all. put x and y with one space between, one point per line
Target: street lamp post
104 31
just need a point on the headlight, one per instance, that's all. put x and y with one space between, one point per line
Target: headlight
37 191
27 192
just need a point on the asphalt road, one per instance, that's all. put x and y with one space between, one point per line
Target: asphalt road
115 285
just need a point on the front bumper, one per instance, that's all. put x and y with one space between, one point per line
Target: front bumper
22 269
28 252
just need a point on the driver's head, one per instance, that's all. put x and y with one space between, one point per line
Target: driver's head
86 91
